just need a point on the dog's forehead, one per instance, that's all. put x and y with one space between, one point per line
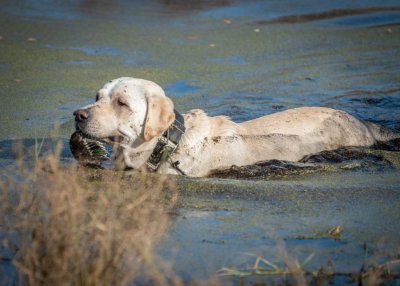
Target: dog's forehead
131 87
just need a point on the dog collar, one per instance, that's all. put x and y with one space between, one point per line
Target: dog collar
167 144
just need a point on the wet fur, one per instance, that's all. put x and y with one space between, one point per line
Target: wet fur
213 143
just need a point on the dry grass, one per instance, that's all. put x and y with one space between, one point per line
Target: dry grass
71 226
294 273
264 267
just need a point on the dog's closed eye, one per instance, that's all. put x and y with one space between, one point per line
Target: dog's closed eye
122 102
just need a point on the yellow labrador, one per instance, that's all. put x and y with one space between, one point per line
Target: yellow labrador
137 117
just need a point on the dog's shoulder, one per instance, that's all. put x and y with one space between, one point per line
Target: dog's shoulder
199 121
196 118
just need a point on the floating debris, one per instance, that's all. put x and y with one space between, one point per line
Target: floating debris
335 233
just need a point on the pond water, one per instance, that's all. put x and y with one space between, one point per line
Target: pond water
244 59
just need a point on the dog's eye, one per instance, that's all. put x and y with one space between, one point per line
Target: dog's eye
97 96
122 102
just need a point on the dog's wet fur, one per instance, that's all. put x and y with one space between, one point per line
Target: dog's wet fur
132 114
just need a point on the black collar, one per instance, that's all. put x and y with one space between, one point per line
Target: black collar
167 144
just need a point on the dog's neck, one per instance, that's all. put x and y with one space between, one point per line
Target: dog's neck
130 157
167 144
157 151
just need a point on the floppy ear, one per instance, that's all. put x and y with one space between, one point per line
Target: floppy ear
160 115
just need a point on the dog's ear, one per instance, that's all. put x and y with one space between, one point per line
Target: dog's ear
160 115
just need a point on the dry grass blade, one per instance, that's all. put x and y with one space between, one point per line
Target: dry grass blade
373 275
227 271
261 266
307 260
265 261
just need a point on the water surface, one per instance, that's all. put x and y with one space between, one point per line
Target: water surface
244 59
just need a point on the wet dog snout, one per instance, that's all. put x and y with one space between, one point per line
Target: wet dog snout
81 115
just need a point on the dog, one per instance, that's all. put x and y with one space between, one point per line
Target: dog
139 120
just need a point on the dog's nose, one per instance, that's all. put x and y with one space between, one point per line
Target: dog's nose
81 114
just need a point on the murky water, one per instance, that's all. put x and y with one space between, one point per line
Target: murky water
243 59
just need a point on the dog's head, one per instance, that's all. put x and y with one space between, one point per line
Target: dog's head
127 110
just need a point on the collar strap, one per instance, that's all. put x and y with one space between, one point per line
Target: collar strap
167 144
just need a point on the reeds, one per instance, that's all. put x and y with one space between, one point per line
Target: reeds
295 273
73 226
